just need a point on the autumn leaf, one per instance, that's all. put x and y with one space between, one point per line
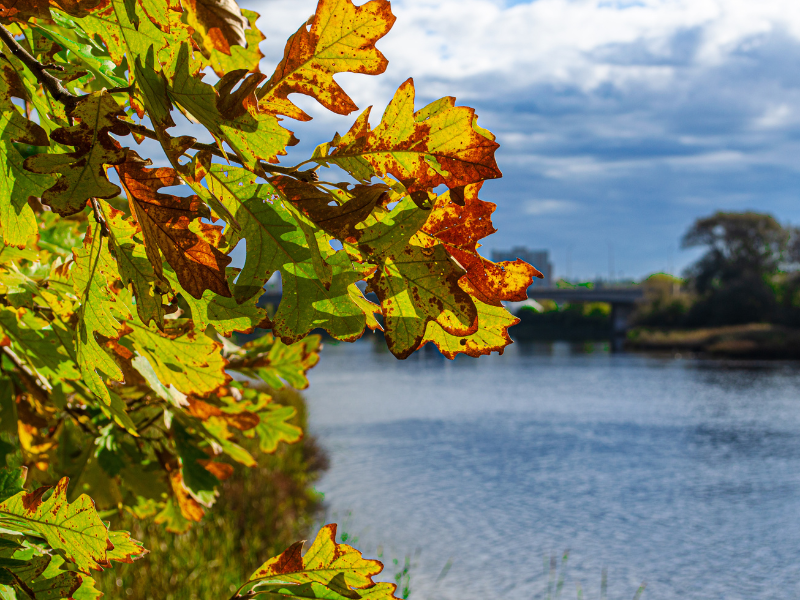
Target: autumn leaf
243 56
17 221
74 528
22 9
438 144
338 567
218 24
82 173
173 225
459 223
337 212
341 38
416 283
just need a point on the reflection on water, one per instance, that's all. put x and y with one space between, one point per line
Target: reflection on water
682 473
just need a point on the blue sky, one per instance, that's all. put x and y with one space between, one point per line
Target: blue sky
620 121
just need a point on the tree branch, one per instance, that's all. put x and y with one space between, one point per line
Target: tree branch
51 83
309 176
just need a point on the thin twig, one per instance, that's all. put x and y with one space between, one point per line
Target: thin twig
309 176
30 380
50 82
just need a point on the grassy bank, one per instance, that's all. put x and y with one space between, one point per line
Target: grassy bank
260 512
755 340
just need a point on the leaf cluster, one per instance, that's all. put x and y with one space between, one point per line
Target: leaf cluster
118 303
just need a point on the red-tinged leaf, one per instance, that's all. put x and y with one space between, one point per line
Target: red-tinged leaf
439 144
173 225
341 38
459 222
338 567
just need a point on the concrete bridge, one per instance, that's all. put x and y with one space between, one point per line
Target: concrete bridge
622 300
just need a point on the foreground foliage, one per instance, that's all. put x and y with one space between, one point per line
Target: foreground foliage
117 301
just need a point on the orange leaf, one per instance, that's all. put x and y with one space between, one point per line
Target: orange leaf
459 223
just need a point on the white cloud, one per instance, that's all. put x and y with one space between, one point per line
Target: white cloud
550 207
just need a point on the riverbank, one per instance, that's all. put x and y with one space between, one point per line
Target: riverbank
754 341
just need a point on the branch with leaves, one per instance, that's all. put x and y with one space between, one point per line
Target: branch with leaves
122 323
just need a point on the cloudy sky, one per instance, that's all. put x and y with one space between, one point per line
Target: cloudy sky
620 121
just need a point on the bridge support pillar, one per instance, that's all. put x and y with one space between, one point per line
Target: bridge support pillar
620 317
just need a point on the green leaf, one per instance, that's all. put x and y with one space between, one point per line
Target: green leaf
82 173
277 363
270 225
253 135
417 283
74 528
17 221
190 361
225 315
12 482
274 427
100 313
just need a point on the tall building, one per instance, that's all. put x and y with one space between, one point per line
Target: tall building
538 258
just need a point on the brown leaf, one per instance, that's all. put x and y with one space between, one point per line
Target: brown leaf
173 225
219 21
22 9
339 220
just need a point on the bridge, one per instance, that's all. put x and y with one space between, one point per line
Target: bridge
622 300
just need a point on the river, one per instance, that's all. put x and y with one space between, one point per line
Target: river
682 473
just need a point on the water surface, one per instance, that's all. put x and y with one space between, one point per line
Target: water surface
681 473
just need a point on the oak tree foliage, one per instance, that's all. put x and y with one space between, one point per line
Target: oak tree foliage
120 371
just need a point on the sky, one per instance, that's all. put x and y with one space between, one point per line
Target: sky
620 121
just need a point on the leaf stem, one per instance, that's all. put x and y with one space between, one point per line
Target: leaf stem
50 82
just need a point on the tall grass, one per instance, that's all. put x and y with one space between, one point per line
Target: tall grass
260 512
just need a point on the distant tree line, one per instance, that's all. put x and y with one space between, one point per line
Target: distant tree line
749 273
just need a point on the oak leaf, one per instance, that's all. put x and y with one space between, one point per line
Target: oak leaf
416 283
341 38
459 223
74 528
190 361
82 173
270 223
338 567
438 144
173 225
218 24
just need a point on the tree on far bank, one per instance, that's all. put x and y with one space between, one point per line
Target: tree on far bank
732 277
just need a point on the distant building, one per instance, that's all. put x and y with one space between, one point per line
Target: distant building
538 258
